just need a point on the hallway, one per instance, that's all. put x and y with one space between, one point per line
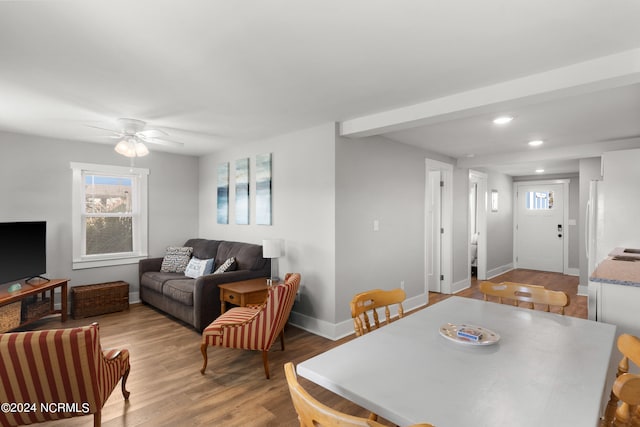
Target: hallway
556 281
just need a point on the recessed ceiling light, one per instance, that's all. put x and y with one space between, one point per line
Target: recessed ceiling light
470 155
536 142
539 170
502 120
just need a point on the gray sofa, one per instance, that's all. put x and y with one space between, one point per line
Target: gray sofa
197 301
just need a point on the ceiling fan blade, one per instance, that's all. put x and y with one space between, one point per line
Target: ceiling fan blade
105 129
152 133
159 141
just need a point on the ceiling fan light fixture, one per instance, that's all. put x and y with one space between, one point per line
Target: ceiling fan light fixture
126 147
141 149
130 147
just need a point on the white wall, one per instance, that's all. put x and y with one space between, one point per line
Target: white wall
621 201
36 185
303 182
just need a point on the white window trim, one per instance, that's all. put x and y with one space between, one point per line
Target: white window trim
140 232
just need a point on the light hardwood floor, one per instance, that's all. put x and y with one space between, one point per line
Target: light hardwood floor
167 388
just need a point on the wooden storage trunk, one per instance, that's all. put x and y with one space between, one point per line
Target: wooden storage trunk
101 298
10 316
34 308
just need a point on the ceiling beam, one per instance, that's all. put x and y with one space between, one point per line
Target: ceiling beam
585 77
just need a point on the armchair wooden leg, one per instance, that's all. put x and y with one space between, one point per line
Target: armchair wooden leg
97 419
265 361
123 383
282 339
203 350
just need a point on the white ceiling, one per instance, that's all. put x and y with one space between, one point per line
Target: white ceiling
423 72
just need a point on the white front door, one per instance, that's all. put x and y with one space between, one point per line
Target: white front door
540 228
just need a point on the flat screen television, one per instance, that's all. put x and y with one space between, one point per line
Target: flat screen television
23 250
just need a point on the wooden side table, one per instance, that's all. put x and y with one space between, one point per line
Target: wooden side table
243 293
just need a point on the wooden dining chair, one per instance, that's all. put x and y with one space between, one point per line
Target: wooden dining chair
367 303
629 346
525 293
312 413
627 390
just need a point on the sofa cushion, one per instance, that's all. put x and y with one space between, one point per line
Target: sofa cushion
248 256
154 280
176 259
203 248
199 267
180 290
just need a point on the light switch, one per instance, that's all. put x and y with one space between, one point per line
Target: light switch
376 225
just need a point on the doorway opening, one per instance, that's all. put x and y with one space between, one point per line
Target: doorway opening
541 216
477 235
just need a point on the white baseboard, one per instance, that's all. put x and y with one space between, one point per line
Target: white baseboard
134 297
573 272
460 285
499 270
335 331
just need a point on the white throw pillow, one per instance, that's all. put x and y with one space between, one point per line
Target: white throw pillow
198 267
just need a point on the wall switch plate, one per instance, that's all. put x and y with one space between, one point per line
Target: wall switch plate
376 225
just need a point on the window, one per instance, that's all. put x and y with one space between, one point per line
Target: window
537 200
109 212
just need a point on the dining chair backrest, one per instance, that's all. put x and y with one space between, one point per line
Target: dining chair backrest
312 413
525 293
367 303
629 346
627 390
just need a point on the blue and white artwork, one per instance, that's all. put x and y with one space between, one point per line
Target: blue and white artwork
242 191
223 193
263 189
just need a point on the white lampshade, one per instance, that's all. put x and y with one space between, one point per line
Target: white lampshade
272 248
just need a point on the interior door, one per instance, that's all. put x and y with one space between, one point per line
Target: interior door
434 236
540 228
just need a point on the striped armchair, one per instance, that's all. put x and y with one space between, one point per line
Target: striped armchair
254 328
55 374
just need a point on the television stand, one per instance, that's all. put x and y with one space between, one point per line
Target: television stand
43 303
36 277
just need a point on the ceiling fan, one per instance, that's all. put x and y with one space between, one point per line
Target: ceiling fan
133 137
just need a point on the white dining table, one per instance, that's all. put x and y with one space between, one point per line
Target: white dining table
545 370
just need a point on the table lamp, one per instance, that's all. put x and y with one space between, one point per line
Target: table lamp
272 248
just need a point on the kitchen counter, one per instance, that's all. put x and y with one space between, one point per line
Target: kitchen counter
619 272
614 291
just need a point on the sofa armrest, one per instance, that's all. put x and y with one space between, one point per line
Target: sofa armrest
149 264
206 294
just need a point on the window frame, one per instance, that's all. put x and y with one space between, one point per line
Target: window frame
139 215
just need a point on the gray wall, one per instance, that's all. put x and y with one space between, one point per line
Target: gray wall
303 214
379 180
500 224
36 185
